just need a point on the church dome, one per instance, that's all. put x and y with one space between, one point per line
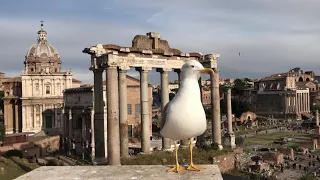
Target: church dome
42 57
42 47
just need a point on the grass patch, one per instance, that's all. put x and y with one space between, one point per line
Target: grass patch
268 139
15 167
168 158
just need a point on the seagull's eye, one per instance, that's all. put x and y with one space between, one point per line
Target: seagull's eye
192 66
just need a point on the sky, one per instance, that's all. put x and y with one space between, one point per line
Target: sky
271 35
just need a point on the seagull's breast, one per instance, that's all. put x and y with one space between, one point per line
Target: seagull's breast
185 117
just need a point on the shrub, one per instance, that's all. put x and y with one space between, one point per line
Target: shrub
239 140
14 152
2 132
308 177
52 162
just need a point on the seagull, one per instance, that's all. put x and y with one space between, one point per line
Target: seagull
184 117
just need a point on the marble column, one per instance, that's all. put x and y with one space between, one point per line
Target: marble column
64 123
308 101
123 116
34 116
99 116
70 130
83 134
92 134
304 102
24 118
215 105
166 142
317 118
113 137
145 119
229 109
229 139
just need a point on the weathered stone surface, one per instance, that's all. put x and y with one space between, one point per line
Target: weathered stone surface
146 172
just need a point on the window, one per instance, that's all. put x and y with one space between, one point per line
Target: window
129 108
130 131
47 89
138 109
37 86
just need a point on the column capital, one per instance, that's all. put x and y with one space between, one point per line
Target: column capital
96 70
162 70
95 51
140 69
123 68
210 57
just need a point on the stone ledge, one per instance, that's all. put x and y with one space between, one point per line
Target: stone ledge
138 172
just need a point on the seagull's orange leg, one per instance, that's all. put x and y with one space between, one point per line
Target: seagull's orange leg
177 167
192 167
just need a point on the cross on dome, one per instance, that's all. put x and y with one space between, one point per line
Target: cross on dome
42 34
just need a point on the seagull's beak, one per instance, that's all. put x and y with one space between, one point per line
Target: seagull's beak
207 71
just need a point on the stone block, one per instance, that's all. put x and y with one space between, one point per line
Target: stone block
238 150
139 172
229 140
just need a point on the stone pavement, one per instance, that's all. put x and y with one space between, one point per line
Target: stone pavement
136 172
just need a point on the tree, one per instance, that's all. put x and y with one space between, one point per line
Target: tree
314 108
238 87
238 106
1 93
2 132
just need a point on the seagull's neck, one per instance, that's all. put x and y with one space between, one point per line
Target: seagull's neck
189 87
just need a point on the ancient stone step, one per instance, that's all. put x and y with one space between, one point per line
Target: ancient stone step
137 172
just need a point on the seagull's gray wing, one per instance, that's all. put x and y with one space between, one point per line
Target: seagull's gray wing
164 116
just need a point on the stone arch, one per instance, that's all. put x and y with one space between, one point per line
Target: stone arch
300 79
308 79
48 118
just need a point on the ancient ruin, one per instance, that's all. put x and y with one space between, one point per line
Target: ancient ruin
229 138
147 52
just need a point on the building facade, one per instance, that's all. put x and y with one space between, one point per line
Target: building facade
284 95
78 109
33 101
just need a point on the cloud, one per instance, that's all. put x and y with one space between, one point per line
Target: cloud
272 36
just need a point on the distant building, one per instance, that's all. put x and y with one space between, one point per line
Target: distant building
283 95
78 108
173 86
226 81
33 101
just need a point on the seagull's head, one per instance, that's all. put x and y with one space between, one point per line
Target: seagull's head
194 69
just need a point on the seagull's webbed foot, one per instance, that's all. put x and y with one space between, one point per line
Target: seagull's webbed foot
192 167
177 169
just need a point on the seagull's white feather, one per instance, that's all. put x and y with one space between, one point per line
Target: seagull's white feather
184 117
